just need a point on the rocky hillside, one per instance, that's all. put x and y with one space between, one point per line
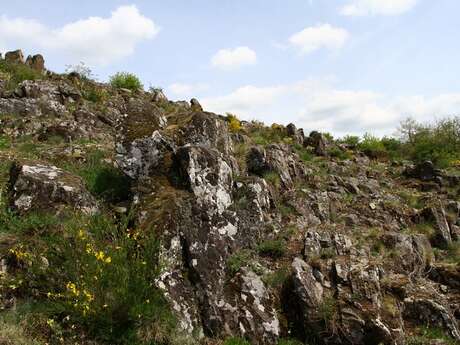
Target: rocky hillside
127 218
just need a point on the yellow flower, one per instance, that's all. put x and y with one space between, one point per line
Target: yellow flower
108 260
50 322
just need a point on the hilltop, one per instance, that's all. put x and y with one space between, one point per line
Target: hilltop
127 218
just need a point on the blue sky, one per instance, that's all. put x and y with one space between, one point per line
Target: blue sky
344 66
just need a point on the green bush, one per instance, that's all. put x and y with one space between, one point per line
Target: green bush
98 278
16 73
372 146
126 80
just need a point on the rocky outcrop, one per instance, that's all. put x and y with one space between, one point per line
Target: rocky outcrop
40 187
15 56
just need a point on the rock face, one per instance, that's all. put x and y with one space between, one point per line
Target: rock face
39 187
253 241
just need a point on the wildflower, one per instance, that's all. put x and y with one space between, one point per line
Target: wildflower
50 322
108 260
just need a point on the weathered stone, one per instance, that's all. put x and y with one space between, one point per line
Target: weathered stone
36 186
319 143
436 215
433 313
15 56
145 157
424 171
195 105
36 62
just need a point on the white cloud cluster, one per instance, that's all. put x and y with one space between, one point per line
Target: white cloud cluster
377 7
318 105
184 89
228 59
320 36
94 40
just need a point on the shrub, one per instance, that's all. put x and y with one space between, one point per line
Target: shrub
17 73
233 123
272 248
351 140
98 277
126 80
372 146
5 142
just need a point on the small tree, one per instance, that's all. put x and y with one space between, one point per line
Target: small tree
125 80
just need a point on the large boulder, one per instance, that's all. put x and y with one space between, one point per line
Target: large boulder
39 187
431 312
319 143
436 216
36 62
424 171
15 56
145 156
278 159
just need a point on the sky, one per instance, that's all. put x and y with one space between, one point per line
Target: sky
342 66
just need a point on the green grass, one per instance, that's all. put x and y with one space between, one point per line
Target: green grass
101 178
5 142
427 335
236 341
238 260
277 278
272 248
273 178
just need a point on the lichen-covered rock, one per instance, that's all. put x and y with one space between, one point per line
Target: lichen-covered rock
207 175
426 311
36 186
145 156
277 159
436 215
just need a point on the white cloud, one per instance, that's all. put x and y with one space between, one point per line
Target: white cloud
320 36
377 7
234 58
94 40
318 105
183 89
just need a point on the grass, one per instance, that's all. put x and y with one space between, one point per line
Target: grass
273 178
426 336
5 142
277 278
236 341
272 248
238 260
13 333
101 178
